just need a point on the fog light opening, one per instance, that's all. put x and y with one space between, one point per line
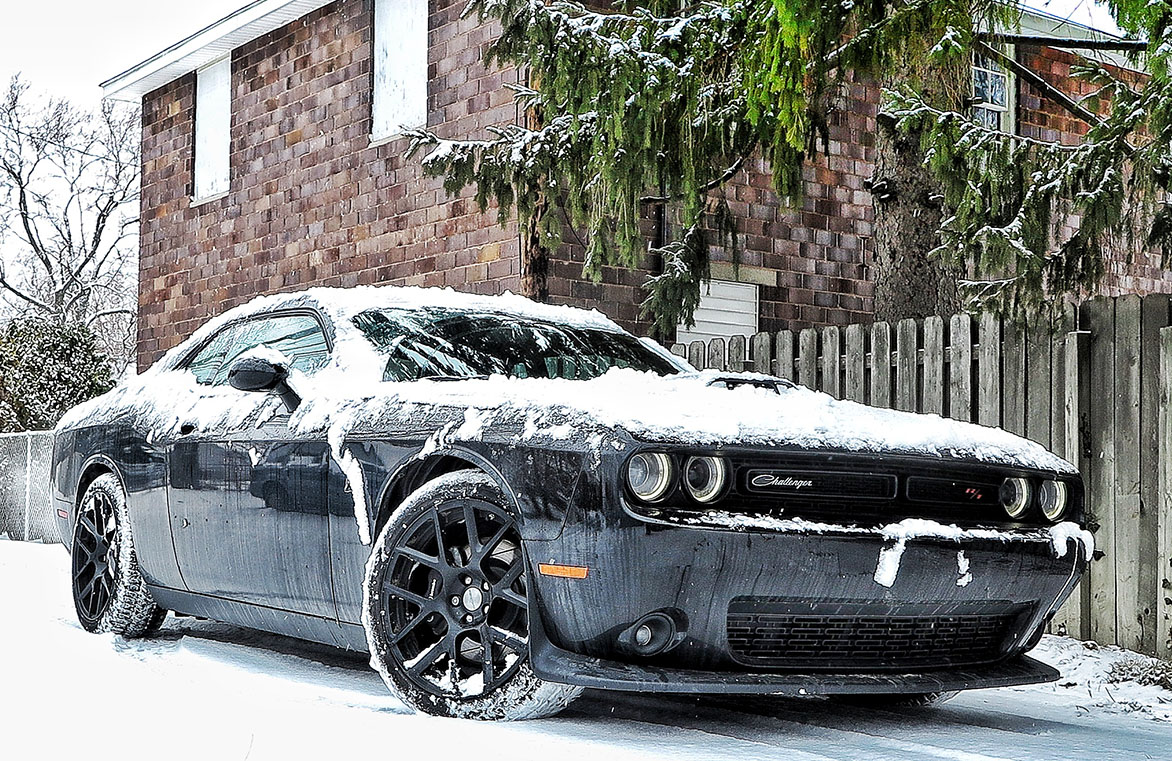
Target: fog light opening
650 635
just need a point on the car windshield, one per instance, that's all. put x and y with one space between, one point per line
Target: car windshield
446 343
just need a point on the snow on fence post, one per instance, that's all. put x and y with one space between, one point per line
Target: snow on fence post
1164 492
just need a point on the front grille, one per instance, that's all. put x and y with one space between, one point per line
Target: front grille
809 484
864 490
952 491
778 634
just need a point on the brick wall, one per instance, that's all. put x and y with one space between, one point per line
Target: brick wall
311 200
1131 268
810 259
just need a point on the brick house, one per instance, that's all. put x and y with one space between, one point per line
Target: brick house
271 162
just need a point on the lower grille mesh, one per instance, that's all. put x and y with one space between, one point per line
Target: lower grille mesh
766 635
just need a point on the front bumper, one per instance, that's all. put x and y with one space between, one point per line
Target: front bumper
701 576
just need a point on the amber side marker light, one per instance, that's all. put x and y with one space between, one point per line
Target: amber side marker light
563 571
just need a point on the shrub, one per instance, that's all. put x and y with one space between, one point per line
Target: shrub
46 367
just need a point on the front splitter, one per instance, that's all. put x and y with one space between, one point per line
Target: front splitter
556 665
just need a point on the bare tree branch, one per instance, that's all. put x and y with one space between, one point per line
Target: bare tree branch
69 186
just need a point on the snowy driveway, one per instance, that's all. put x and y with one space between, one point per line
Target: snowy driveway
203 690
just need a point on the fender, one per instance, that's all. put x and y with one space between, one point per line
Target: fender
66 526
93 461
448 450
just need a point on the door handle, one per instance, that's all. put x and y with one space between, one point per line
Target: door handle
186 429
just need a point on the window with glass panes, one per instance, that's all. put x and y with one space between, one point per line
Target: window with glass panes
991 94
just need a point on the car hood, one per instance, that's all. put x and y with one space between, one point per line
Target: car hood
691 409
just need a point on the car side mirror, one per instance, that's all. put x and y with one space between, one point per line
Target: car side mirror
258 374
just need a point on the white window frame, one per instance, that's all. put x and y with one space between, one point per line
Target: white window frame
1008 111
399 100
212 170
705 331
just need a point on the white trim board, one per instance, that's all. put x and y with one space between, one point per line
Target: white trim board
253 20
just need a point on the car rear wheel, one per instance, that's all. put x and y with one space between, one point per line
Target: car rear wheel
446 610
109 592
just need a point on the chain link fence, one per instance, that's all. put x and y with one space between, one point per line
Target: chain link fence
26 511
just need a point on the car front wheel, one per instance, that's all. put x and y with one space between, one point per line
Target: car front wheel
446 610
109 592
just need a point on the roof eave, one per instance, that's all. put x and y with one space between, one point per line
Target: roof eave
257 18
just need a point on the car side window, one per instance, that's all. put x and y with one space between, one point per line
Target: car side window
299 337
207 361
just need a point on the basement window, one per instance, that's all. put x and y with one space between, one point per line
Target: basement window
399 102
992 94
213 129
726 309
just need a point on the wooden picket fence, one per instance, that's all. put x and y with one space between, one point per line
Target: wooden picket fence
1094 386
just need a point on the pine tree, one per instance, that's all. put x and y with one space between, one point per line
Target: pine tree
650 105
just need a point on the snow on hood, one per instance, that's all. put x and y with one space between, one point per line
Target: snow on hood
677 410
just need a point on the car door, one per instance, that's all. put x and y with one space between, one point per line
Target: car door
247 499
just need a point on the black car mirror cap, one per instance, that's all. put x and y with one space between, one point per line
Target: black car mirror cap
259 374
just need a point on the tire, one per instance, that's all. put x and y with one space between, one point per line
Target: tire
431 599
896 700
109 592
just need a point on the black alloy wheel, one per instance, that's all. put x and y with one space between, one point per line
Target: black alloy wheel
454 601
96 543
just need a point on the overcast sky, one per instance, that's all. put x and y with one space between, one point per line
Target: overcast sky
67 47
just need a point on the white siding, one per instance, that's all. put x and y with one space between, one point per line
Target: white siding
726 309
213 129
400 67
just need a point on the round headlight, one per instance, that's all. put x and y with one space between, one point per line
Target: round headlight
1052 496
649 475
1015 496
704 477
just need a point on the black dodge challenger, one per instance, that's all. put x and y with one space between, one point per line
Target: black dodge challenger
506 502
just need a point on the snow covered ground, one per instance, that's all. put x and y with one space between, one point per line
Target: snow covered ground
203 690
